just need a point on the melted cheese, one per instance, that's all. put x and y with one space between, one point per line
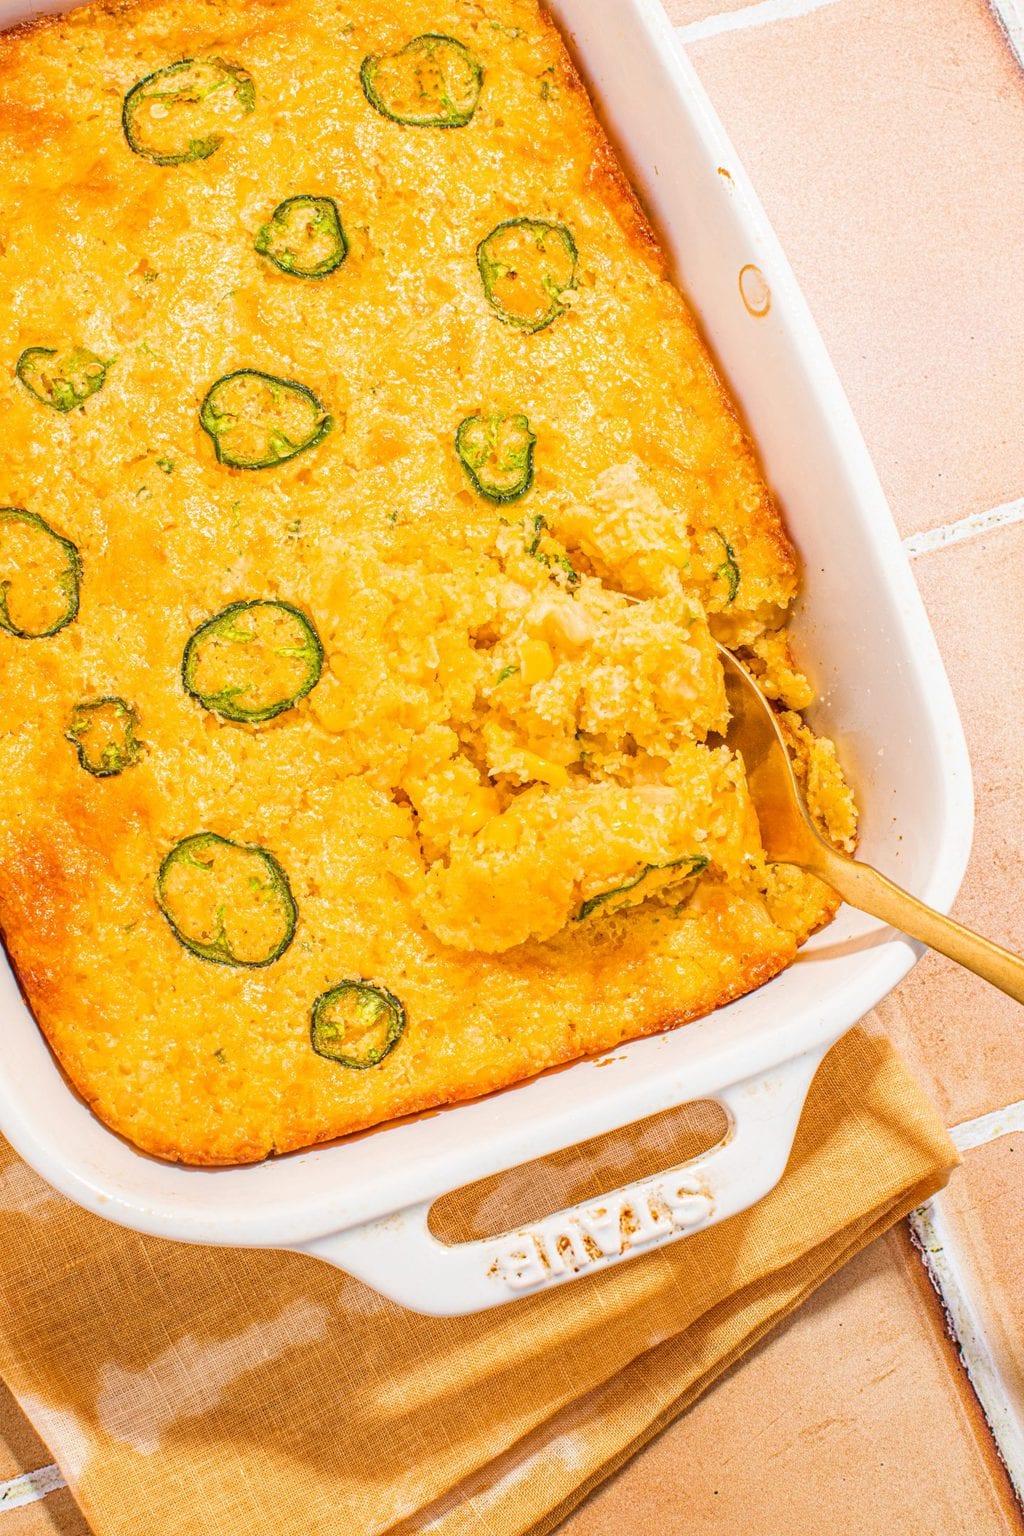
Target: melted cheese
514 703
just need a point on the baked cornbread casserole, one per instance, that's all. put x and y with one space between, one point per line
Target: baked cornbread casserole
369 513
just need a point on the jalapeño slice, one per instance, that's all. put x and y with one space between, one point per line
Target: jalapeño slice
304 237
433 82
526 266
182 112
103 733
226 902
257 420
61 378
356 1023
497 454
697 864
729 570
40 573
253 660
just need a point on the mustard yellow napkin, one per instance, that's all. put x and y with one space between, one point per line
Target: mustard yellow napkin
187 1390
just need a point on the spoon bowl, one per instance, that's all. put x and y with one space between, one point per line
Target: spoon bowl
790 836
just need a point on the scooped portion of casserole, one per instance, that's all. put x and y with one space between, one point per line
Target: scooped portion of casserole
370 510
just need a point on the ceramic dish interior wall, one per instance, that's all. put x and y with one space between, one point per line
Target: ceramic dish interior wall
860 624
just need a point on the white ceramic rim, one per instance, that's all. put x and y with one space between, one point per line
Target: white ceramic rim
302 1199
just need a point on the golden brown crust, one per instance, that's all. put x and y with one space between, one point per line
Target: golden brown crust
756 973
606 177
154 269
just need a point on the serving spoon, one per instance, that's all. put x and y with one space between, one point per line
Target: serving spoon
790 837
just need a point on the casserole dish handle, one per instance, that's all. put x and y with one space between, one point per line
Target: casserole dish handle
399 1256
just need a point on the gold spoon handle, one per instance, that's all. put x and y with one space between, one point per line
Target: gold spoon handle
869 891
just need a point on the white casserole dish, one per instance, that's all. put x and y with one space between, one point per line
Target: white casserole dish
363 1204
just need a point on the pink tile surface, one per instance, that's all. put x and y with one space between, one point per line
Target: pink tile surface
885 141
962 1037
682 12
853 1419
20 1447
56 1515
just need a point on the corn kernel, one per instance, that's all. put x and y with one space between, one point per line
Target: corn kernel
536 661
480 806
502 832
544 772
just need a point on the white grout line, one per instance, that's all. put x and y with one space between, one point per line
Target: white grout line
975 1133
29 1488
955 1284
966 528
1010 15
760 15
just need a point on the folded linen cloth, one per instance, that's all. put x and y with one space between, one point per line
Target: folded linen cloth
186 1390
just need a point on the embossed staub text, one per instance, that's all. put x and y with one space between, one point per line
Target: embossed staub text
597 1234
